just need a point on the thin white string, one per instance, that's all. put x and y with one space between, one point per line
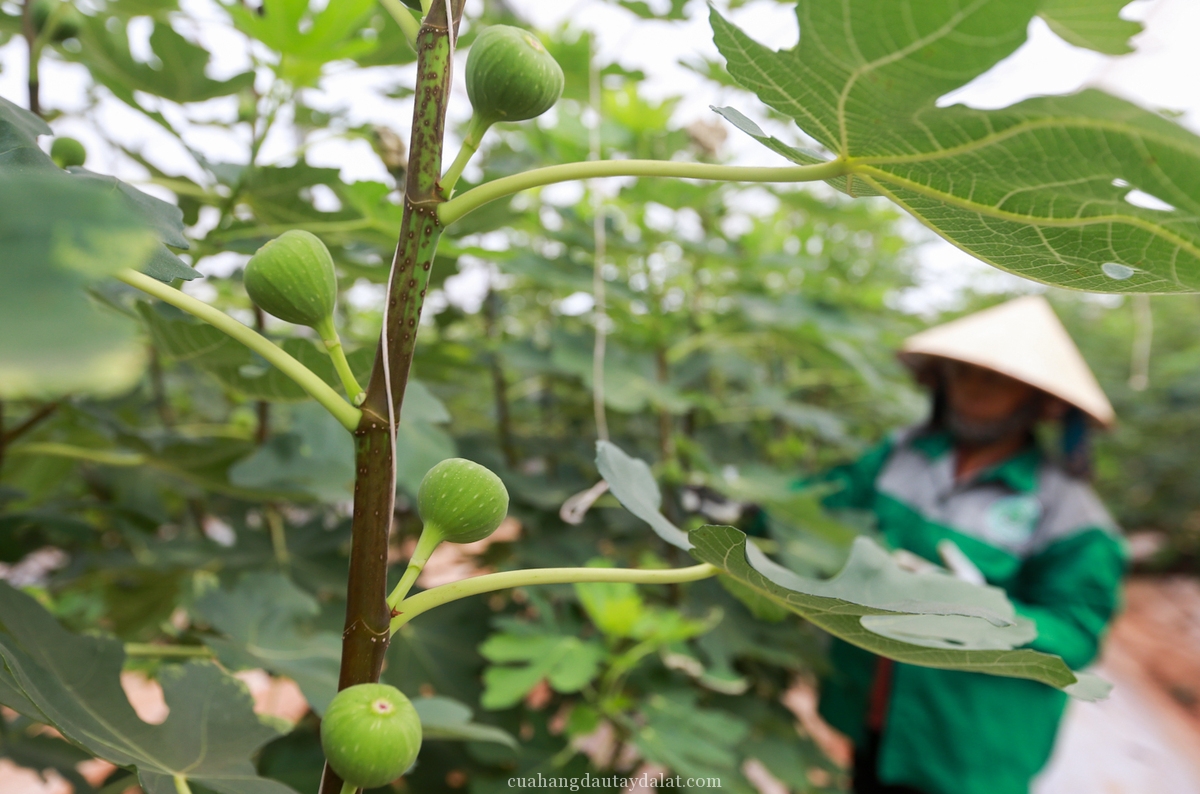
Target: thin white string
387 368
453 44
599 246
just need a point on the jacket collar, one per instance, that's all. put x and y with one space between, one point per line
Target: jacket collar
1019 472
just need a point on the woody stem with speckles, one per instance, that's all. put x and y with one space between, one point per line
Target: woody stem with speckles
366 634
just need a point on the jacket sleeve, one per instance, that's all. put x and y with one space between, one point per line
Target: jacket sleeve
850 486
853 484
1070 590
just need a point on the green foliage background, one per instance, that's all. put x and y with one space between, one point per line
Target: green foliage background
749 342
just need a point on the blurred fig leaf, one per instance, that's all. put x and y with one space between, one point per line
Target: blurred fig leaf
424 446
315 457
446 718
267 621
523 658
177 70
59 236
166 221
1094 24
703 750
306 40
632 482
674 12
73 683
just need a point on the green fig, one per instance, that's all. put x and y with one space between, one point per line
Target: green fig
461 501
510 76
292 278
371 734
66 152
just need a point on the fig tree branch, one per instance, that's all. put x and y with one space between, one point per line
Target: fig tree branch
366 634
304 377
476 197
30 422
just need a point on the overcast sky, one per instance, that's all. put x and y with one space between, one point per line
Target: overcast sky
1161 74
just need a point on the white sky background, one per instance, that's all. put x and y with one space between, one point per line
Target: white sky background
1163 73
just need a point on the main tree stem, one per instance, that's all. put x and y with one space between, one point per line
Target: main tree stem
366 635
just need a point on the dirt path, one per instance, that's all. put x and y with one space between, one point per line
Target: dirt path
1145 739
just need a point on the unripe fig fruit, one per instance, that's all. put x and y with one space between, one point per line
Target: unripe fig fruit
370 734
510 76
292 278
66 152
461 501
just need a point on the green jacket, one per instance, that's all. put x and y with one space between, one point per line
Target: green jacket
1032 530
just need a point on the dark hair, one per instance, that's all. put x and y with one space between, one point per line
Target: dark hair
1076 444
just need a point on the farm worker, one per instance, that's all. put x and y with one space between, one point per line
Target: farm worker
974 475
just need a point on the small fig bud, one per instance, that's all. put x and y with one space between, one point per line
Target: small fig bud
292 278
461 501
510 76
66 152
370 734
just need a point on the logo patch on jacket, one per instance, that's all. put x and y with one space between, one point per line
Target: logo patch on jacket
1011 520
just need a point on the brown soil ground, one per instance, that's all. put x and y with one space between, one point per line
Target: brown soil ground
1146 738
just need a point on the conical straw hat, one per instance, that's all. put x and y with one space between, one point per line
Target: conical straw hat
1023 339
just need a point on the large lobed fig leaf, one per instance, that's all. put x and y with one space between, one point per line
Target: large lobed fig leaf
927 619
72 683
1084 191
267 621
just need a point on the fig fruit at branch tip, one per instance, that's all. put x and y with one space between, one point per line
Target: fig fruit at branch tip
511 76
461 501
292 278
371 734
67 152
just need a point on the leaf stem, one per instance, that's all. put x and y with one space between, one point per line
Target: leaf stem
318 389
475 198
349 788
34 55
278 535
106 457
404 18
181 785
146 649
444 594
30 422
